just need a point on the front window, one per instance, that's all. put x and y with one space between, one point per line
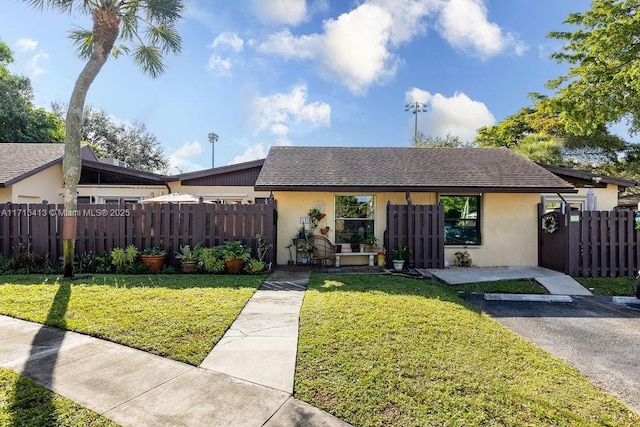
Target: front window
354 218
461 220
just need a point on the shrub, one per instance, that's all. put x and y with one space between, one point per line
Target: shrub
124 259
210 260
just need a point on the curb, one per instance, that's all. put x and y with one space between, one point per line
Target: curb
527 298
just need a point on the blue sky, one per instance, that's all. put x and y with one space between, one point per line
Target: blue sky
292 72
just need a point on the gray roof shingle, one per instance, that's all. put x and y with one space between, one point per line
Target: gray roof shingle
19 160
404 169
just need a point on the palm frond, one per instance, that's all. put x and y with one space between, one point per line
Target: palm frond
83 41
149 59
164 11
167 38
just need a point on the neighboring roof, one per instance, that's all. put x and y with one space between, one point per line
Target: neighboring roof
629 202
239 174
404 169
578 177
142 177
19 160
179 198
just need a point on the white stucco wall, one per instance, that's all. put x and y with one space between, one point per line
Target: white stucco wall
101 193
508 224
45 185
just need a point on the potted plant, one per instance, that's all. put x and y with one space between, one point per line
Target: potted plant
234 255
400 256
324 230
355 241
315 216
188 257
153 257
370 242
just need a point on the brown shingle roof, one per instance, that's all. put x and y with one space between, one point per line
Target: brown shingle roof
405 169
20 160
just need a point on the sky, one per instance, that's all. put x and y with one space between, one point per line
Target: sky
260 73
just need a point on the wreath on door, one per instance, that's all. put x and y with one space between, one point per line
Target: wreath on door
550 223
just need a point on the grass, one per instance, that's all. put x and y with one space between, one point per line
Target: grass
386 350
502 286
176 316
25 403
618 286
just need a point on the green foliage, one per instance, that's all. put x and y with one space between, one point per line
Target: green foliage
370 240
601 86
401 252
210 260
123 259
24 261
20 120
261 247
235 250
92 263
254 266
186 254
420 140
153 250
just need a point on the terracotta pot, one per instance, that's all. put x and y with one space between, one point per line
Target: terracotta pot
338 248
189 267
155 262
234 266
324 231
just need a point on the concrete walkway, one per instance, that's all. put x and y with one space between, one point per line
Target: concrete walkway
135 388
555 282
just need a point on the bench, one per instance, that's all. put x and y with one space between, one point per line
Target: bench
371 255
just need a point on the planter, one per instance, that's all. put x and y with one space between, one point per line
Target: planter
154 262
398 264
382 260
355 247
234 266
338 248
324 231
189 266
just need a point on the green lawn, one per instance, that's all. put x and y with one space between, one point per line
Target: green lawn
386 350
25 403
502 286
618 286
176 316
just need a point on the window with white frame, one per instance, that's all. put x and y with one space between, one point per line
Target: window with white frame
354 218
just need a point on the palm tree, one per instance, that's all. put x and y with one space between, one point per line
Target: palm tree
147 27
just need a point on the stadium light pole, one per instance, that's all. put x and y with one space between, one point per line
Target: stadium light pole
213 138
415 107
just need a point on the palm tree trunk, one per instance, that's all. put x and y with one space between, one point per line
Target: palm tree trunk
106 25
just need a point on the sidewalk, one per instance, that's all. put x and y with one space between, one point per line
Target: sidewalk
135 388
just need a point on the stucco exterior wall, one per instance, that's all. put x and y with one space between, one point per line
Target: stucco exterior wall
509 227
227 194
508 224
45 185
606 198
5 195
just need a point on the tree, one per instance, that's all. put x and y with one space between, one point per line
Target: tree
538 133
420 140
602 85
131 143
148 25
20 121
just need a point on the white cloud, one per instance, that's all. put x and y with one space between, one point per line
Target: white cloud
252 153
26 45
219 65
276 113
228 40
458 115
33 67
185 159
357 49
464 24
287 12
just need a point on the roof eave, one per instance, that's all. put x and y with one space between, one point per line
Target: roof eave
425 189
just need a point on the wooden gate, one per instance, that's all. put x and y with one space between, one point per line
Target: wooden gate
552 241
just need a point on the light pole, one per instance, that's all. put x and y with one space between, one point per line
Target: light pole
212 139
415 107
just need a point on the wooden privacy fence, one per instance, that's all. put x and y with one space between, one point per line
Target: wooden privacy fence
602 244
104 227
421 229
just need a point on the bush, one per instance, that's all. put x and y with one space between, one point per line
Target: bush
210 260
124 259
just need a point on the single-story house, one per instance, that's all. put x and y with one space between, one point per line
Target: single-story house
490 195
32 173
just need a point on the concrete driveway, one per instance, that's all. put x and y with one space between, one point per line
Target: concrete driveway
599 338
